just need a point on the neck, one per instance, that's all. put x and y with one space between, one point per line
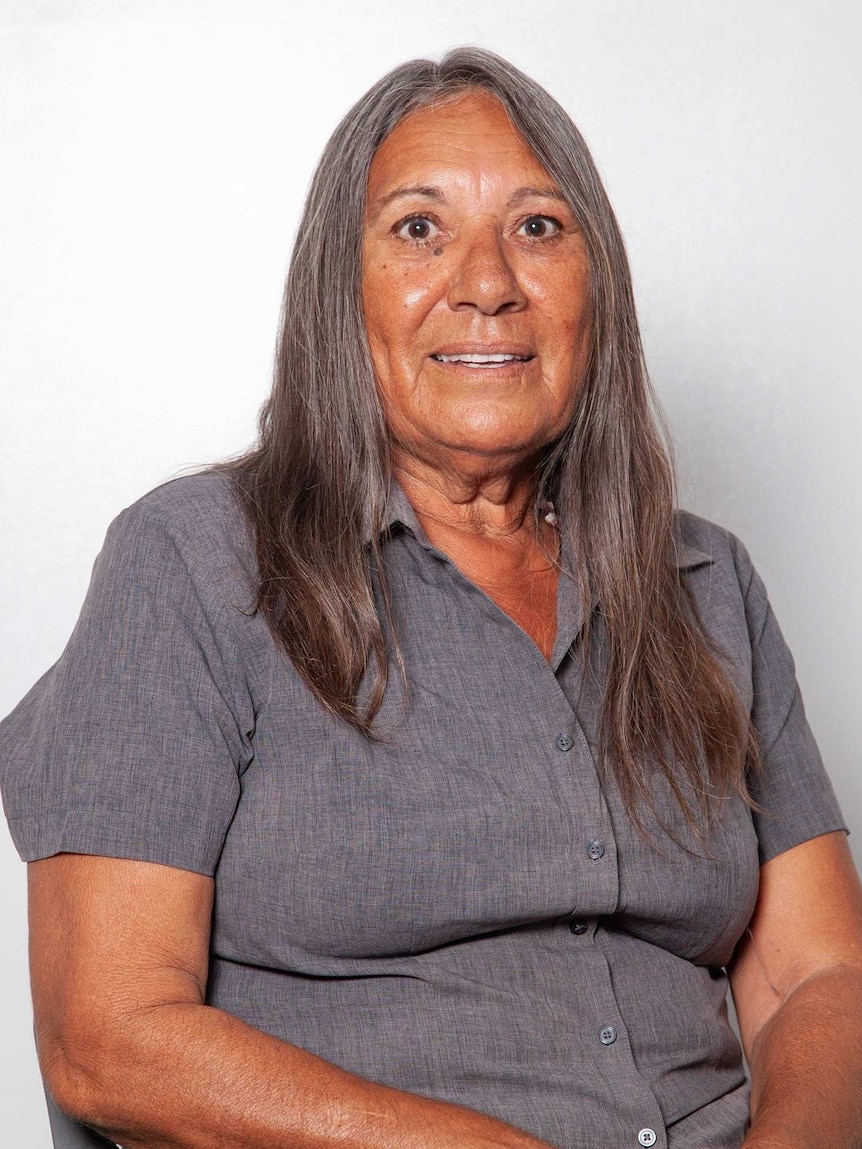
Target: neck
497 505
488 527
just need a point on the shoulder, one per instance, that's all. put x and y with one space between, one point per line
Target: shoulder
196 522
728 594
704 544
203 509
132 743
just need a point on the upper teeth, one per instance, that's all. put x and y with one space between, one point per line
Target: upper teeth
465 358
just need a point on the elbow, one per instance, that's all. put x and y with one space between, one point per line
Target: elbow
71 1092
79 1069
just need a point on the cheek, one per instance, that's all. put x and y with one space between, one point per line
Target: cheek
396 302
567 325
416 294
383 328
559 293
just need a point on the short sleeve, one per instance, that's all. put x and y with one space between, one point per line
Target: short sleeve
792 789
133 743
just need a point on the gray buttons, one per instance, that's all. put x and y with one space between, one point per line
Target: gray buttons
607 1035
564 741
647 1137
578 927
595 849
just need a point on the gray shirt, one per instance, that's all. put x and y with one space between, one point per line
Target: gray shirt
460 908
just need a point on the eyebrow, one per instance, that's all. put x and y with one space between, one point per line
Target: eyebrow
400 193
434 193
528 193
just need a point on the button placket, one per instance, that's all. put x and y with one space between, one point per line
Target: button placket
608 1029
594 856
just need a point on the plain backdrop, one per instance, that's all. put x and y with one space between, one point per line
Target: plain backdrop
155 156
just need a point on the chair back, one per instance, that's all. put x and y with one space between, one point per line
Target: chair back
69 1134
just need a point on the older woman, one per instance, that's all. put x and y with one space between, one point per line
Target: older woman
414 780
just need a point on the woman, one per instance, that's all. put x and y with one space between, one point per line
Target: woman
451 839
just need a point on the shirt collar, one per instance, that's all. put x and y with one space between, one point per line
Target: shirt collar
399 511
570 609
687 557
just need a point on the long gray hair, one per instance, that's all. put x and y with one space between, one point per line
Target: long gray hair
320 472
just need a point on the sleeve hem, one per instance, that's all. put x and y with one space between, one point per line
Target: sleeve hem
783 842
189 843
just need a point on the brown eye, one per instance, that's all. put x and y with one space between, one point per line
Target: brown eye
539 227
417 227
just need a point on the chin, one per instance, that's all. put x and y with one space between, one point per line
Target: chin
516 447
493 436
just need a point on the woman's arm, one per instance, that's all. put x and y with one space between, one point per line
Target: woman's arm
119 956
797 985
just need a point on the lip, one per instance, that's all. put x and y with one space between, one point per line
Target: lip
521 350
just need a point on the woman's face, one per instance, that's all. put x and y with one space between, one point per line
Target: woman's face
470 252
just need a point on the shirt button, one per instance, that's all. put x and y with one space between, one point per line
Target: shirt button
607 1036
647 1137
564 741
578 927
595 849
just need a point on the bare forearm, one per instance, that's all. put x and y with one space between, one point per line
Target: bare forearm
807 1068
192 1077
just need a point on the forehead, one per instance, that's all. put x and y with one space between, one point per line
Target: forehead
468 135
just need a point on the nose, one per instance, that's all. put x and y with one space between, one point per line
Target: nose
483 278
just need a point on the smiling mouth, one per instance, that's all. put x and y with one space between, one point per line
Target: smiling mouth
482 362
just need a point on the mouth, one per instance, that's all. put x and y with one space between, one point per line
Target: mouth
482 361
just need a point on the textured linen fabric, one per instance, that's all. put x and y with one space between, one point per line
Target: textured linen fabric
461 908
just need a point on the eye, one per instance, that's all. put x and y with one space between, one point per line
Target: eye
418 228
540 227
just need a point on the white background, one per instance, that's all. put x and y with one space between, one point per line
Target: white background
155 155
